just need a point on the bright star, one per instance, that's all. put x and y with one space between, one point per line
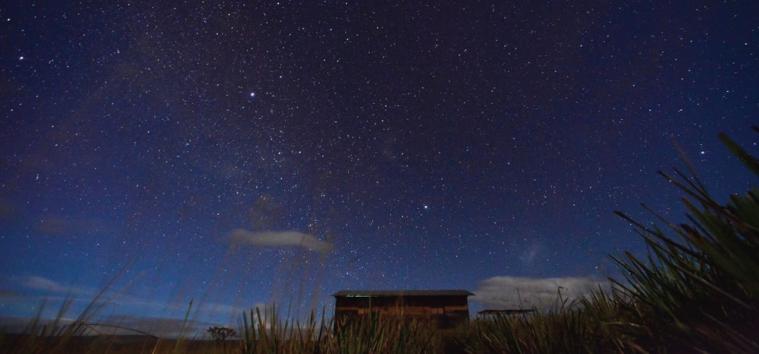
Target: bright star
252 94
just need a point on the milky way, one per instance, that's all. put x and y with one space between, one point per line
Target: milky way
400 145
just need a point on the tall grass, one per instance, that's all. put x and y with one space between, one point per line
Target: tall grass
698 289
267 333
587 325
260 332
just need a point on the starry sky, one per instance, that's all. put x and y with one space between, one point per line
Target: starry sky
242 153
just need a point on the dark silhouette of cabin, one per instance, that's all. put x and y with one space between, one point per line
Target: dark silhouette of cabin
445 308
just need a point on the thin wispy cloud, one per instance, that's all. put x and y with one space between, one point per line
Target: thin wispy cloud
57 291
279 239
41 283
506 292
127 314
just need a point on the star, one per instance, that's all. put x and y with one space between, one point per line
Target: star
252 94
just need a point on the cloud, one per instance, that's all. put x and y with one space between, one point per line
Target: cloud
56 290
279 239
161 322
45 284
42 283
505 292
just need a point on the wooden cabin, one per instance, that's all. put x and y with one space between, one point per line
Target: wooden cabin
446 308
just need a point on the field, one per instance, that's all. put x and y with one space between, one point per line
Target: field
696 291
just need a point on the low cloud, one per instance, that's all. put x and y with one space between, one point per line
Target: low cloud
42 283
505 292
279 239
87 294
160 324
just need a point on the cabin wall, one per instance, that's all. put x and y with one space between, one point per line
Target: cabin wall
446 311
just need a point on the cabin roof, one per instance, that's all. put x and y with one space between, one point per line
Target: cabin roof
401 293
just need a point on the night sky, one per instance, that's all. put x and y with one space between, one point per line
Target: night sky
243 153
